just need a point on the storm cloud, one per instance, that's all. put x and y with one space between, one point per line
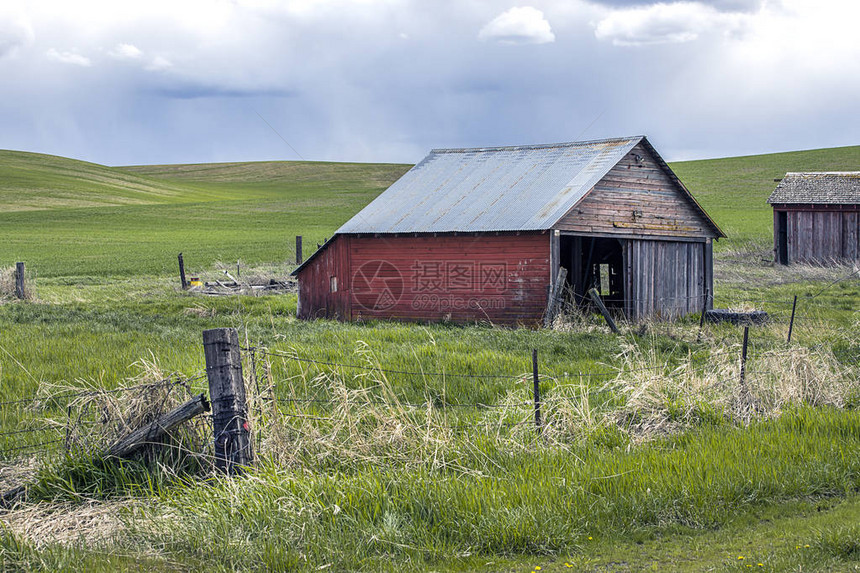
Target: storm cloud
386 80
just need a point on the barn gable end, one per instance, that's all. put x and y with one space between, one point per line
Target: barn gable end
638 197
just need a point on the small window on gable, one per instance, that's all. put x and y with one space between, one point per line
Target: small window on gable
333 283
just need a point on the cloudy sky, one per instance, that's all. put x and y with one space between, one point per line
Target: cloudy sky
171 81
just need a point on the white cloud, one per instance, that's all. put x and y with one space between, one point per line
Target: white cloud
66 57
388 79
661 23
520 25
159 64
15 31
126 52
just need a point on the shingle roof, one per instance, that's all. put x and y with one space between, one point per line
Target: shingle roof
491 188
833 188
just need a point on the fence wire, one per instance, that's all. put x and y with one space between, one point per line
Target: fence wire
65 425
804 315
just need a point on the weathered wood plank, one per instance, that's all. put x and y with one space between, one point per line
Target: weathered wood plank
155 431
636 196
851 242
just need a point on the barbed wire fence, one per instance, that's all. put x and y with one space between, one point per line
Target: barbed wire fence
83 420
67 420
595 384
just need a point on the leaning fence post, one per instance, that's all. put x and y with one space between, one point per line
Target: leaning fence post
182 272
298 249
595 297
537 390
704 311
230 427
20 292
791 324
744 355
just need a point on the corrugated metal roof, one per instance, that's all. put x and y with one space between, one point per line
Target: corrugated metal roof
830 188
491 188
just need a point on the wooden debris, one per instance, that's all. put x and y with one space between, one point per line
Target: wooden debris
158 429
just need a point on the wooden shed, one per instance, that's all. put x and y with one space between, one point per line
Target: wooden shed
480 235
816 218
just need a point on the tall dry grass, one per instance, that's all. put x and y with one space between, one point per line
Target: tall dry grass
345 424
659 399
98 418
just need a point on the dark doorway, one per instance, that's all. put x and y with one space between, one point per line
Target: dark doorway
782 237
594 262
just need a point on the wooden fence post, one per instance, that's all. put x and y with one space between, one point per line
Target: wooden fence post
20 291
744 355
702 318
704 310
230 427
595 297
298 249
536 390
182 272
791 324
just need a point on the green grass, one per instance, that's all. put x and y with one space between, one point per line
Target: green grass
392 489
70 218
549 504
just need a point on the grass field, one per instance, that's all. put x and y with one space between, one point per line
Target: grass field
70 218
652 455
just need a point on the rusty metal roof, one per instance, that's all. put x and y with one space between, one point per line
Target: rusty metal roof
491 188
827 188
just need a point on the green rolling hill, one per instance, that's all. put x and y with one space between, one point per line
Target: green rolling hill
734 190
72 218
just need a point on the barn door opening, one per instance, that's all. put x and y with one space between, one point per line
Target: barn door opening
782 237
596 262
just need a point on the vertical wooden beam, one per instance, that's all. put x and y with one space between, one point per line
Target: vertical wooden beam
576 269
182 272
20 290
554 254
230 427
298 249
708 261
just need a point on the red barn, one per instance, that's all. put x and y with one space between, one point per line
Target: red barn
480 235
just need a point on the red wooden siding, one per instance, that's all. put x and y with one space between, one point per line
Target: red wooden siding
498 278
820 235
636 198
666 278
315 297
